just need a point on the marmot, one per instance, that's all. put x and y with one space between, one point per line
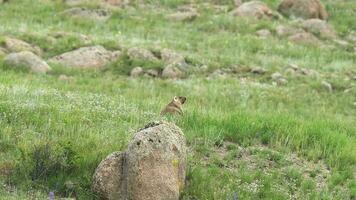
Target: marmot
175 106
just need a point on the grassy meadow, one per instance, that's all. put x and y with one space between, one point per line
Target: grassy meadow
245 134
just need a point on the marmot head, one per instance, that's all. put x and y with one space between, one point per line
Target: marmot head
180 99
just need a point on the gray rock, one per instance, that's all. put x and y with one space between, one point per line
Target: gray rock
152 168
109 178
304 38
253 9
305 9
169 56
95 57
3 52
184 13
258 70
319 27
171 72
141 54
136 72
284 31
263 33
327 86
156 163
115 3
152 73
279 78
84 13
16 45
28 60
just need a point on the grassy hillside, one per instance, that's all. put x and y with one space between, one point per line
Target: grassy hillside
246 134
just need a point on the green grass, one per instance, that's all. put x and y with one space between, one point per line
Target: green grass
241 133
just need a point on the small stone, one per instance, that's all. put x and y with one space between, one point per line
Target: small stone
304 38
263 33
84 13
66 78
171 72
16 45
327 86
141 54
27 60
152 73
253 9
137 71
258 70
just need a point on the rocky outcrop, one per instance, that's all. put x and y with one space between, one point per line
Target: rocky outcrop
141 54
320 28
152 168
305 9
84 13
172 72
304 38
184 13
95 57
16 45
115 3
253 9
27 60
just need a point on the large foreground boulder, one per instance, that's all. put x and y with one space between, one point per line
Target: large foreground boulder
28 60
253 9
152 168
305 9
95 57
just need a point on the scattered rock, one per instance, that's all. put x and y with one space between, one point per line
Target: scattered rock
319 27
351 37
305 9
141 54
263 33
27 60
16 45
116 3
137 71
152 73
95 57
258 70
66 78
327 86
3 52
169 56
294 70
153 167
218 73
284 31
238 3
304 38
83 38
342 43
279 78
253 9
96 14
184 13
171 72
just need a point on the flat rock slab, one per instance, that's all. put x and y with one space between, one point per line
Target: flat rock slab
95 57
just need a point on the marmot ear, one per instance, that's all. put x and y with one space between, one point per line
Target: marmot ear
175 98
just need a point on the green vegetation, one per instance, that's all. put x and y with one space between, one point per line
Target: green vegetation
246 134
